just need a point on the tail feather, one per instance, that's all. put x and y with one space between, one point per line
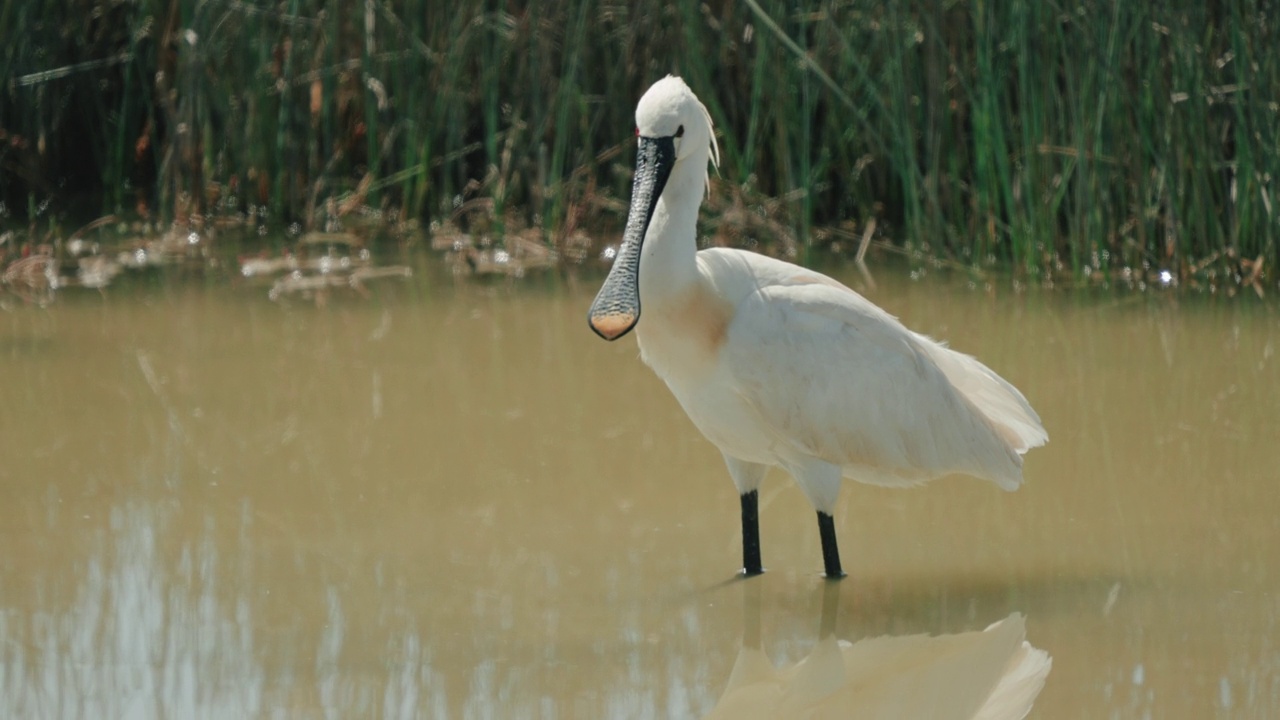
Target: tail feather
1000 402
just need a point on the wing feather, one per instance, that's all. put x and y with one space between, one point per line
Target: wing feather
835 377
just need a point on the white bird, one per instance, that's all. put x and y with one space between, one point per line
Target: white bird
782 366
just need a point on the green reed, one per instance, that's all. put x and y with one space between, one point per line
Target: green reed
1046 137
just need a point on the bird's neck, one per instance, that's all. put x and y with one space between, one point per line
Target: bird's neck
668 268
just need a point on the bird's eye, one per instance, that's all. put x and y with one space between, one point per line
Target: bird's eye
680 131
637 132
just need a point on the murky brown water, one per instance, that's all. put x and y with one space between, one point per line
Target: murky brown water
458 502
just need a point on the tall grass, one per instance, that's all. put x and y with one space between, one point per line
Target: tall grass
1082 137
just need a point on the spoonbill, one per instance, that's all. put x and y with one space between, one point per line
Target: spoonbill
778 365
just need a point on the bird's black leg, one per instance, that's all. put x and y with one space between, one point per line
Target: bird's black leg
751 534
830 551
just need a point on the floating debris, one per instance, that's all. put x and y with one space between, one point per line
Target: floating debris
259 266
297 282
344 239
33 278
515 256
446 237
373 273
344 265
319 286
97 271
315 264
135 259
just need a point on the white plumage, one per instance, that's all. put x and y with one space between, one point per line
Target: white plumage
782 366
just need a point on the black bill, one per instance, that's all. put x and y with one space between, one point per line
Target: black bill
616 308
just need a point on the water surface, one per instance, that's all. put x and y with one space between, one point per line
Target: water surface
455 501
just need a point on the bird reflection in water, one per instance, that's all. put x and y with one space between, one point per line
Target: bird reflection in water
992 674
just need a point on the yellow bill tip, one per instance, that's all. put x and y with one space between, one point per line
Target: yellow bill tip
612 326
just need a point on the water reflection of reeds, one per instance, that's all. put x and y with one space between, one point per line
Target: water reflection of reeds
144 633
170 613
149 630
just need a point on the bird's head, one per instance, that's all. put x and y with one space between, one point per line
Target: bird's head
670 110
672 127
